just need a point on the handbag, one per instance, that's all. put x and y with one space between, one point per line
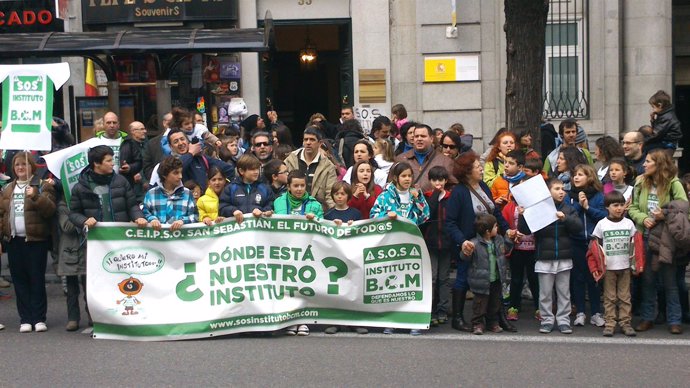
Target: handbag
637 262
479 197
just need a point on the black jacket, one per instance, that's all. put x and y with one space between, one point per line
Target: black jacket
196 168
85 203
548 139
554 241
433 229
235 196
152 155
132 151
666 128
349 138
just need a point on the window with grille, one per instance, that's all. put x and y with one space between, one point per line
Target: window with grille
566 73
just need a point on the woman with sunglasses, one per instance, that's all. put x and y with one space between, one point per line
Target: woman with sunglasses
451 145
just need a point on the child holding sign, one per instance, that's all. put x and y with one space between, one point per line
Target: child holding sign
170 203
208 203
400 199
555 260
298 202
614 233
341 193
246 194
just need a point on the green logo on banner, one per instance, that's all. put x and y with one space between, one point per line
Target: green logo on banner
392 273
76 163
27 105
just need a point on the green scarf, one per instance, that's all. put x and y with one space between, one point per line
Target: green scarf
294 202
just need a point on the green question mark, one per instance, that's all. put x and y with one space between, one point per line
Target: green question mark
340 272
182 289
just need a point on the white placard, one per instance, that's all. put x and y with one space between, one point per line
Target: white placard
535 197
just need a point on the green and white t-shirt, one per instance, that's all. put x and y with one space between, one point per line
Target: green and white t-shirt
652 200
617 241
18 207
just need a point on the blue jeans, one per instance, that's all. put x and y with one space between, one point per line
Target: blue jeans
682 290
581 280
667 276
461 276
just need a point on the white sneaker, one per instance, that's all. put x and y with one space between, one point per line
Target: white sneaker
580 319
40 327
303 330
25 328
597 320
2 326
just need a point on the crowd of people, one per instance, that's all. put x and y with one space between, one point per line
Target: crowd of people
618 209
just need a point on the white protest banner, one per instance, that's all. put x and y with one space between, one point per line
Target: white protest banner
27 104
263 274
68 163
366 114
535 197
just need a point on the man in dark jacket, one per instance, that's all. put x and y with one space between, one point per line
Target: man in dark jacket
350 132
131 159
100 195
423 156
157 148
195 164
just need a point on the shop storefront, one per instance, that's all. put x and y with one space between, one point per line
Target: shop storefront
32 16
153 54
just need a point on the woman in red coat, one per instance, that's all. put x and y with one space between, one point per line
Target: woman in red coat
364 190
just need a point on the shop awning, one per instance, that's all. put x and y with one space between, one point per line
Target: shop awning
182 41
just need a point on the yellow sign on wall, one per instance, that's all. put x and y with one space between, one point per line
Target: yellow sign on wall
451 69
439 69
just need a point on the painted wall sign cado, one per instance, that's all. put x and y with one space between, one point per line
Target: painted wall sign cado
137 11
29 16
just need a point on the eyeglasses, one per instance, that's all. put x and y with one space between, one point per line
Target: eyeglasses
449 146
283 172
630 142
262 144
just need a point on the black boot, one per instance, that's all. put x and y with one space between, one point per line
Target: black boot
503 322
458 321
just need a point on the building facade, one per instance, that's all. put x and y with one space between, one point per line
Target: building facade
603 61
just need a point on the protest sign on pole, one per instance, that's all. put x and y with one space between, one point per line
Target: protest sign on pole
263 274
27 104
68 163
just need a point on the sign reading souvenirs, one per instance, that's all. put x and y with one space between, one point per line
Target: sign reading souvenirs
30 16
137 11
261 275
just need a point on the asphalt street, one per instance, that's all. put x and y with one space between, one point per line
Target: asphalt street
440 357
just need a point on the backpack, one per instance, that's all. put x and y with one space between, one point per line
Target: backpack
336 152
